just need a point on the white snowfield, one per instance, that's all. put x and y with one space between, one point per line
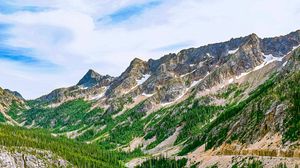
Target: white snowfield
233 51
143 79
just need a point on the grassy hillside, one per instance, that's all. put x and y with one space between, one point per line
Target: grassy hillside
66 117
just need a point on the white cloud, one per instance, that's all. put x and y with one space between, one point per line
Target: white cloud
70 35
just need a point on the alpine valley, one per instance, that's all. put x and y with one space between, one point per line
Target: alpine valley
230 104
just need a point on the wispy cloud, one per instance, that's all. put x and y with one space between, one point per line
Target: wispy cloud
20 55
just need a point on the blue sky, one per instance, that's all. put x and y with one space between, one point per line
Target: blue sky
17 55
9 7
50 44
127 12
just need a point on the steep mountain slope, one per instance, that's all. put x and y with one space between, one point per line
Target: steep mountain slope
212 105
9 100
264 124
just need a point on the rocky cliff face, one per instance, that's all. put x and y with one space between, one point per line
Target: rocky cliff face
30 158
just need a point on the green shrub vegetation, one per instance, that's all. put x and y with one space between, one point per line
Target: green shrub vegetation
14 109
162 162
281 165
69 116
2 118
192 114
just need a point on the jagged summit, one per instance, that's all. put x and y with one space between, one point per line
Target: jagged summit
128 80
168 77
92 78
136 65
89 78
252 37
136 61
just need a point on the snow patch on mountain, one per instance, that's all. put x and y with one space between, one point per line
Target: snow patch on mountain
99 96
147 95
233 51
284 64
188 73
268 59
194 83
143 79
82 87
295 47
179 97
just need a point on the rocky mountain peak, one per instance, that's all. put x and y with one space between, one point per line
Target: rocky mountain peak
7 97
136 61
92 74
15 93
297 32
136 66
92 78
253 36
128 80
252 39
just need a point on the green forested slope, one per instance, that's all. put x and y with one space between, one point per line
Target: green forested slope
78 154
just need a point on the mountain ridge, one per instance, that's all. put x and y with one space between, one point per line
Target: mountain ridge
158 65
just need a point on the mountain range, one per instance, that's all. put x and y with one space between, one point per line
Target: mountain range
228 104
